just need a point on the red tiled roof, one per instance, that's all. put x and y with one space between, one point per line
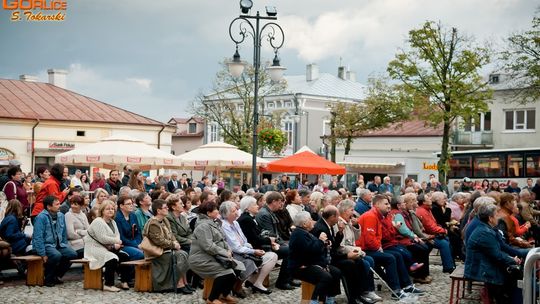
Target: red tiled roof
36 100
410 128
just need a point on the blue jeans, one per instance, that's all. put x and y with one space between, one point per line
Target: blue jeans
58 262
133 252
405 254
397 276
446 253
367 284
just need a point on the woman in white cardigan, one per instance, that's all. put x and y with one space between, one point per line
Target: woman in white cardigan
76 225
102 246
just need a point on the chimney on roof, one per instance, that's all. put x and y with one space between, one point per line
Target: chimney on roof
29 78
351 75
312 72
57 77
341 72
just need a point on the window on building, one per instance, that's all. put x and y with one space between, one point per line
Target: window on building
288 129
326 128
192 128
477 123
81 133
494 78
213 134
515 165
520 119
271 105
288 104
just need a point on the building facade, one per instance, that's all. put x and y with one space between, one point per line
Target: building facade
39 120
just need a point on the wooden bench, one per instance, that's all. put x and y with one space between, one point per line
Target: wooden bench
35 272
143 274
209 282
307 292
93 278
458 285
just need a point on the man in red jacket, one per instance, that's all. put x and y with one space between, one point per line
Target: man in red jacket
370 239
433 230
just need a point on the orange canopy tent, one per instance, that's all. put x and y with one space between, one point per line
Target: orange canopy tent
305 161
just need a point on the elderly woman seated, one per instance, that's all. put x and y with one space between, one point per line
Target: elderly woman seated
487 262
308 260
208 249
244 252
158 231
76 225
102 247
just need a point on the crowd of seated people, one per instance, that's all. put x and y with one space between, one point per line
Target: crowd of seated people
318 231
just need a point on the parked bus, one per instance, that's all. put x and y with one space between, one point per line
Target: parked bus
501 165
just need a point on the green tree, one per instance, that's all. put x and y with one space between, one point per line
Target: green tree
230 105
384 104
522 62
440 71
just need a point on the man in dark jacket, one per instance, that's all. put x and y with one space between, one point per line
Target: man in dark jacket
343 261
112 184
267 220
127 172
486 262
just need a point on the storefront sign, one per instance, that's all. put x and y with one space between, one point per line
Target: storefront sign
428 166
57 145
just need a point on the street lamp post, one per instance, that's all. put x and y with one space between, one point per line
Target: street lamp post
275 37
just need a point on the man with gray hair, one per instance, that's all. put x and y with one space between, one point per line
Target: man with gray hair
363 204
173 184
486 260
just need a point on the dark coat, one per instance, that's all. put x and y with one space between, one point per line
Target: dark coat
486 262
268 221
130 232
10 231
252 231
305 250
336 239
180 229
170 186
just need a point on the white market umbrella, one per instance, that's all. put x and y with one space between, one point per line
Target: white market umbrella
117 151
218 155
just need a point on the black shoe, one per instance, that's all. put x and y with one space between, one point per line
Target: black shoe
256 289
449 270
241 293
57 280
248 284
184 290
295 283
49 284
285 286
190 288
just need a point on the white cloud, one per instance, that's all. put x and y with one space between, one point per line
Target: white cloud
144 83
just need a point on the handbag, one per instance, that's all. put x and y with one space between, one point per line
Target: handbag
150 250
226 262
258 260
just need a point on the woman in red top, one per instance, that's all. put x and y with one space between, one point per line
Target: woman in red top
50 187
14 188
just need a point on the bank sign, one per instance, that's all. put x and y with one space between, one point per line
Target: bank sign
36 10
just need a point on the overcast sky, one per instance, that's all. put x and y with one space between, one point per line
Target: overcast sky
154 57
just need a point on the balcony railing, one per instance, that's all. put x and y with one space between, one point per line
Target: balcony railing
467 138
